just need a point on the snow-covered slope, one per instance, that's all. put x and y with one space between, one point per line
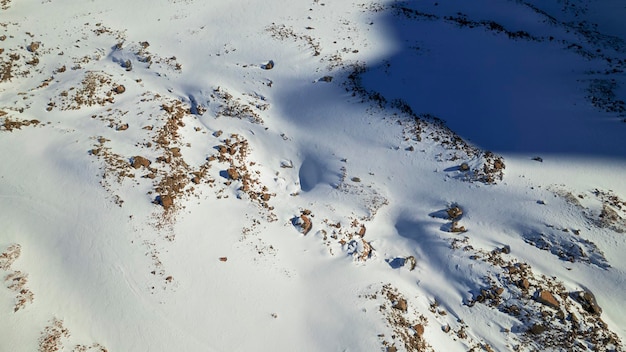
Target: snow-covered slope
312 176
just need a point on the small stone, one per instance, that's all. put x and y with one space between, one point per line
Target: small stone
119 89
499 291
33 47
464 167
326 79
269 65
456 228
223 259
506 249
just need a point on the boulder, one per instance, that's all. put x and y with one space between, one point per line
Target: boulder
588 302
547 298
401 305
454 212
139 161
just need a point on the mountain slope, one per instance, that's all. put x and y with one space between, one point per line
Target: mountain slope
332 176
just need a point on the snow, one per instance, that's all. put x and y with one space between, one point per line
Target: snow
225 268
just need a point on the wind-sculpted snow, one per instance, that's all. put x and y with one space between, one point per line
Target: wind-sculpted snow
317 176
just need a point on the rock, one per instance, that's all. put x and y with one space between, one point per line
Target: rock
588 302
499 291
139 161
523 284
119 89
223 259
326 79
464 167
33 47
454 212
165 201
401 305
286 164
506 249
537 329
410 262
356 179
175 151
546 298
456 228
128 65
233 174
537 158
269 65
419 330
123 127
306 224
392 349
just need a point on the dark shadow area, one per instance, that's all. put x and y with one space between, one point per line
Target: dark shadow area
396 263
503 84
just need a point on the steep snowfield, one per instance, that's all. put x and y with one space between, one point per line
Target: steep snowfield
312 176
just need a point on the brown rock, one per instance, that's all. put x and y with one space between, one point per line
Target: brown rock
464 167
175 151
454 213
419 329
456 228
523 284
139 161
306 224
223 259
233 174
401 305
545 297
33 47
166 201
119 89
